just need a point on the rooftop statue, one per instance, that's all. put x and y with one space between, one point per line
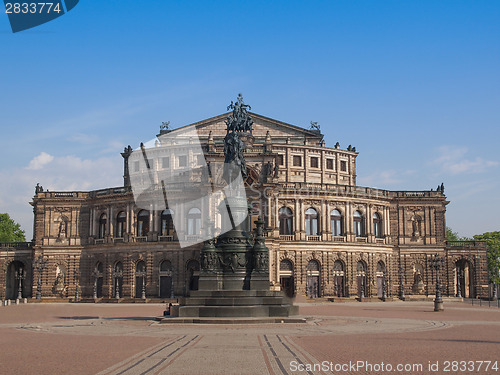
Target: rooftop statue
239 120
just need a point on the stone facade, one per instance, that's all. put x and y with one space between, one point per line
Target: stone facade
326 235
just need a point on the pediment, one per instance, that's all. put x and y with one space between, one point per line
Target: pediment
261 125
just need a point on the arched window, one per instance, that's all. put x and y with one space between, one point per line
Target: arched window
286 221
380 267
361 267
143 223
336 223
311 222
102 225
359 228
121 220
194 221
338 267
167 222
377 225
166 266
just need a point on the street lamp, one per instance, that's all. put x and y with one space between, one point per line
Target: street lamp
437 263
362 294
118 275
20 275
460 274
402 275
142 274
77 285
384 289
39 264
96 275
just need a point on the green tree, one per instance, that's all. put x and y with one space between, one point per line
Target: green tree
451 236
493 241
10 231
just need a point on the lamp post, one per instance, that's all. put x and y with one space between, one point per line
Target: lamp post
117 275
437 263
39 264
20 275
460 274
384 289
362 294
77 285
402 275
142 275
96 275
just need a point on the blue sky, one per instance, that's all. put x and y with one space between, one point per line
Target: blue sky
415 86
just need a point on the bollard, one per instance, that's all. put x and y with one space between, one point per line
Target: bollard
8 302
17 301
25 300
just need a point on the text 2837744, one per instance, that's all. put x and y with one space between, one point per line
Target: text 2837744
33 7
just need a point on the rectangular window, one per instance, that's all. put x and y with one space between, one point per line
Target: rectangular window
314 162
182 161
165 163
329 163
297 161
281 160
343 166
136 166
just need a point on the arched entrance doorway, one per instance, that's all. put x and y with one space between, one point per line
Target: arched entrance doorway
339 278
313 277
193 273
166 280
140 279
286 277
361 279
16 279
380 279
464 279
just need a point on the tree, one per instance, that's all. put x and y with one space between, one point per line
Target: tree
493 242
453 236
10 231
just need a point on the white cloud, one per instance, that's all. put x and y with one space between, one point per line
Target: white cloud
66 173
381 179
38 162
453 160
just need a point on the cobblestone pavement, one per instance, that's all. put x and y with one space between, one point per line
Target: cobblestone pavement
125 339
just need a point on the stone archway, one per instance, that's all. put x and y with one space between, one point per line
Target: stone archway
287 280
339 278
313 287
166 280
464 276
15 285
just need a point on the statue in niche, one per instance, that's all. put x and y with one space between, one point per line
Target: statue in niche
416 222
59 287
418 279
62 229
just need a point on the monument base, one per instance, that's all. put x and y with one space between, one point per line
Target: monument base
236 303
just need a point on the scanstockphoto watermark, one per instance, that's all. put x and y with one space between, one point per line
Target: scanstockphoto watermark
407 368
203 197
25 15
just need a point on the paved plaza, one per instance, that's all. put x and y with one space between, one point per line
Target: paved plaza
340 338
